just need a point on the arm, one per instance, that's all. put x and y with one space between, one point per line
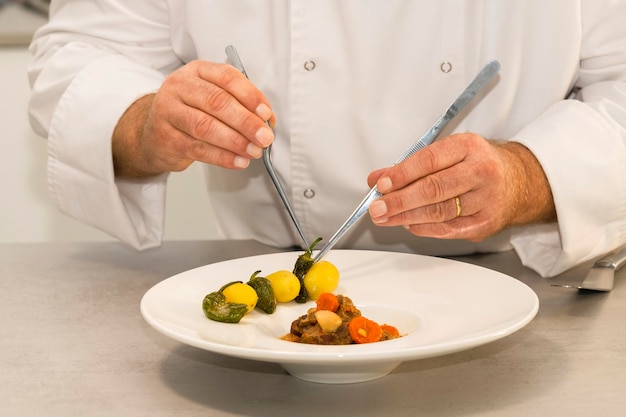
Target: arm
84 73
581 145
574 169
106 166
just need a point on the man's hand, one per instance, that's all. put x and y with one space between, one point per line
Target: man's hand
204 112
498 185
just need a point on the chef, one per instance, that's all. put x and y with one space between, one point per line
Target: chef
126 92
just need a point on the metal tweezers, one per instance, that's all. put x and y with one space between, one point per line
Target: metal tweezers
235 61
479 82
483 77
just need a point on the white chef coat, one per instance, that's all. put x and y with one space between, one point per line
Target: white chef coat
353 83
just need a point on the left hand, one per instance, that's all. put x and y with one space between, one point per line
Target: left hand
498 185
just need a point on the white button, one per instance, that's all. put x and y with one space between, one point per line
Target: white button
445 67
309 193
309 65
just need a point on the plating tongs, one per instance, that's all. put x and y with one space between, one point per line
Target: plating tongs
483 77
235 61
479 82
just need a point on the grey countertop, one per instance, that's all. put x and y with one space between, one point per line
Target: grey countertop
73 343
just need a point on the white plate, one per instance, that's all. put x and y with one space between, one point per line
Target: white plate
442 306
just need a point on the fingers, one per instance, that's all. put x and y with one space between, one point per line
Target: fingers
473 228
210 113
448 219
419 188
226 94
452 189
443 211
441 155
374 176
210 133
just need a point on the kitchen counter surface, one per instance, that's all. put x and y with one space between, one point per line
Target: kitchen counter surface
73 343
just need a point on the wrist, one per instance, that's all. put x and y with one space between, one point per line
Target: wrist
129 159
529 191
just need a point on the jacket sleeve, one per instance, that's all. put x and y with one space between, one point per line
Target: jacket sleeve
90 62
581 145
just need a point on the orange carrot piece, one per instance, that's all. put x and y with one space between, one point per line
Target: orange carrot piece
390 330
327 301
363 330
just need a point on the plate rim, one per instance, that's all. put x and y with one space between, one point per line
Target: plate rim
334 357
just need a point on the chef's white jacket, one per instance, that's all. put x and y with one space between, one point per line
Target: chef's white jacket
353 83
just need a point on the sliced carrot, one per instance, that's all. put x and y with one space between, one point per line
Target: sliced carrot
327 301
363 330
390 330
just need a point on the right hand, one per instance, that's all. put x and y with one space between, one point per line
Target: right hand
497 185
205 112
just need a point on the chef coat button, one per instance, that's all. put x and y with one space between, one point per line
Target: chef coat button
309 193
445 67
309 65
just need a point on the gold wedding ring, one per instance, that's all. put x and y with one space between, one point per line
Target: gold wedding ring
457 202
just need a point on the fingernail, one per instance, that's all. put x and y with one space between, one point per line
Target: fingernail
254 151
378 208
265 136
263 111
241 162
384 184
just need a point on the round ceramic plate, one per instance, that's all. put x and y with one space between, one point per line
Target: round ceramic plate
439 305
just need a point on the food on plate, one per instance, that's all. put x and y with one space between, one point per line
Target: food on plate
327 301
328 320
322 277
231 302
285 284
301 267
216 307
239 293
308 281
337 321
265 293
390 330
364 330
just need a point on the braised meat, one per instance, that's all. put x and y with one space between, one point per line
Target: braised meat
305 328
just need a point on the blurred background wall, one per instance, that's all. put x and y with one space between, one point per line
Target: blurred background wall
26 212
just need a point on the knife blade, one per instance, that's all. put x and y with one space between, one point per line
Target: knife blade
479 82
601 276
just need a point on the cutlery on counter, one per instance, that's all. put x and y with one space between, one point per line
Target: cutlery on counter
602 274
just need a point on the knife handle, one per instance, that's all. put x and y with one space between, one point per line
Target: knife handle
614 260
